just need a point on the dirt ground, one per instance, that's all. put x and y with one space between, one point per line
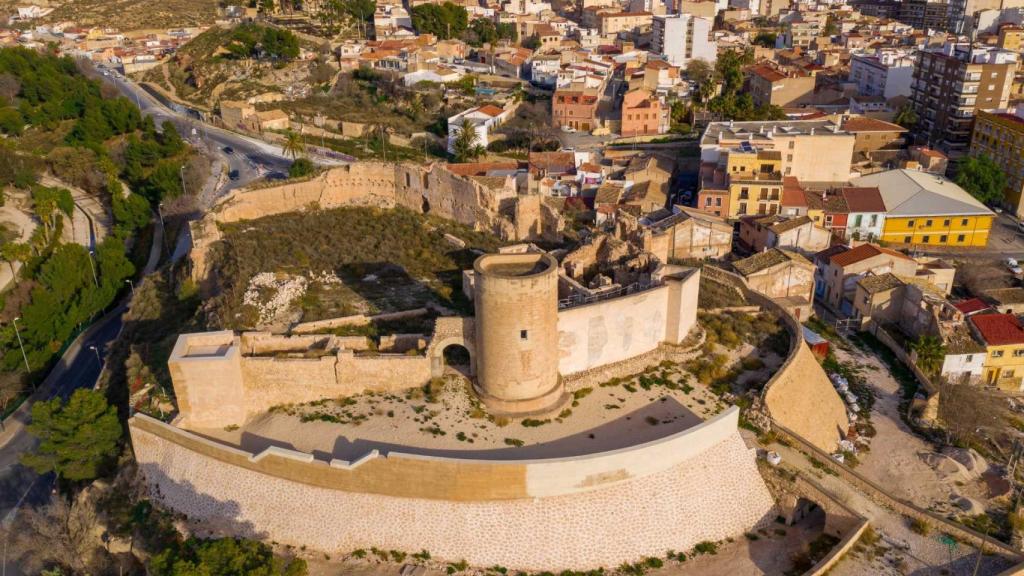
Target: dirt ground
601 418
897 457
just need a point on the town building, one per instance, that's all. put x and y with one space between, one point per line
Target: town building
810 150
644 114
1003 339
885 73
950 84
999 134
785 277
838 272
683 233
680 38
773 85
798 234
576 107
866 213
928 209
482 118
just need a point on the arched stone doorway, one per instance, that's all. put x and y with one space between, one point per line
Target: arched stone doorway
454 353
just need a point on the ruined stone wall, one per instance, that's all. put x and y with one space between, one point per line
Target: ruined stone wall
611 330
431 189
568 513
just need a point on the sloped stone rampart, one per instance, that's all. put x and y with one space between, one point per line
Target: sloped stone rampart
709 489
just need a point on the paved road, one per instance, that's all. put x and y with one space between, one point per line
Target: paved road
251 158
80 367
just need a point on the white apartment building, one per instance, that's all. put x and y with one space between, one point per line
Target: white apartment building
683 37
885 73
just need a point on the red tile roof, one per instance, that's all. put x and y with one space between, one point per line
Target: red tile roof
999 329
792 193
863 252
862 124
863 199
971 306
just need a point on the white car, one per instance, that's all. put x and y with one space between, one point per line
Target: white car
1011 262
568 129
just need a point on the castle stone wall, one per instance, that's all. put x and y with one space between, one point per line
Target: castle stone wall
611 330
523 514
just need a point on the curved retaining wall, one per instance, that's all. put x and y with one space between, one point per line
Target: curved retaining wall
586 511
799 395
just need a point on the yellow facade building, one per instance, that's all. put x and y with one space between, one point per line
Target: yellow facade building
1003 338
999 134
928 210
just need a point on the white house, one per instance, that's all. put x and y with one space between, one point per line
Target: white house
438 74
866 216
482 118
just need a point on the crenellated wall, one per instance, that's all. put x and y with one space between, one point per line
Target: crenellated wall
577 512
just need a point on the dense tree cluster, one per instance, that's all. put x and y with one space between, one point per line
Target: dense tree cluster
227 557
77 438
732 102
444 21
484 31
982 177
255 41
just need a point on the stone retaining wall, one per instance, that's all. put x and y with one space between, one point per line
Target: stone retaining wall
577 512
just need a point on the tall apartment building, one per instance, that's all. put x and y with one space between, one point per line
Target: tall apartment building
885 73
683 37
999 134
921 14
950 84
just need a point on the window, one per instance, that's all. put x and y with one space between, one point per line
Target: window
997 353
523 334
858 220
926 239
927 223
1008 374
946 222
874 219
718 201
1018 352
910 223
963 222
792 144
970 357
960 238
907 239
943 238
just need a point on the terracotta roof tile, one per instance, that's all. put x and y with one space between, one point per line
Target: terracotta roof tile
999 329
863 252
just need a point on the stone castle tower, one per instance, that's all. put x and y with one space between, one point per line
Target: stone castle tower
516 299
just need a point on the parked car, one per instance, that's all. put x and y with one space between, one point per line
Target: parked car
233 175
1013 266
229 150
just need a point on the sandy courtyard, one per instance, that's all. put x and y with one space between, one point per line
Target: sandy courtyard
450 421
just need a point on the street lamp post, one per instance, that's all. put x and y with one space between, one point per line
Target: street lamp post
132 284
160 213
92 267
97 353
181 171
21 345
